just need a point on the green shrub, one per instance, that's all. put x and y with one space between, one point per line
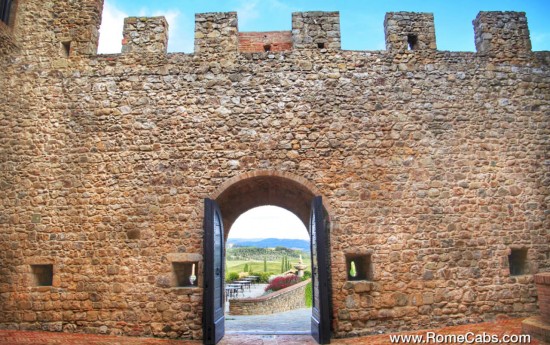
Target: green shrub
307 275
232 276
309 295
263 277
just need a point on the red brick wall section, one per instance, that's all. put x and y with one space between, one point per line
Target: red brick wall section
254 42
542 280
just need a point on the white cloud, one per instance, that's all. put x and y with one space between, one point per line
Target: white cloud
110 32
180 37
268 222
281 6
178 40
248 11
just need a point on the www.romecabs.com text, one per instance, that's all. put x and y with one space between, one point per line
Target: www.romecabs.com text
466 338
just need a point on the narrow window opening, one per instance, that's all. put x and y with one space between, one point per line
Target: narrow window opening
321 45
517 262
359 267
412 42
5 8
267 47
66 48
185 273
42 275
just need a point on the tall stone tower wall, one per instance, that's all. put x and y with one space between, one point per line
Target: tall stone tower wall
55 29
432 165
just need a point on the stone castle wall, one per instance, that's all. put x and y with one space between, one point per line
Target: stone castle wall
434 163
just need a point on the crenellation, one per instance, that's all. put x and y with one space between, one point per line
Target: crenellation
499 34
145 35
216 33
502 34
316 30
409 31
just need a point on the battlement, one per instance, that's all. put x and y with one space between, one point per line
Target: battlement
409 31
316 30
502 33
145 35
75 32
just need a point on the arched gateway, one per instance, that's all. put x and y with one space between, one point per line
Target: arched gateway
241 194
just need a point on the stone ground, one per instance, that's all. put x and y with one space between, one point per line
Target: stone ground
292 322
499 328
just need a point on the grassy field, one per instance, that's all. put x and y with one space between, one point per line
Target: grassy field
256 266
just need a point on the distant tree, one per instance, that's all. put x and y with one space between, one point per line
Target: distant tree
245 269
265 264
288 266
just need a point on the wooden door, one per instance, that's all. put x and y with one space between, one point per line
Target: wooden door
320 316
213 283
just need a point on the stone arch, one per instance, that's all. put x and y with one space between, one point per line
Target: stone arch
265 187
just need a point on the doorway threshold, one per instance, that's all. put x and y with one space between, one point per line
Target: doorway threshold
260 332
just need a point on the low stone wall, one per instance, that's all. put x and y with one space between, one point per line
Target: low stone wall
539 326
292 297
542 280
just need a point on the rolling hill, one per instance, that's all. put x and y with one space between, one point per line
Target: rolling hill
269 243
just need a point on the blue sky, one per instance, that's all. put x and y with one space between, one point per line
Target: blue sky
361 21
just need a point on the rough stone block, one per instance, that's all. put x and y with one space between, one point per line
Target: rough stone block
503 34
145 35
409 31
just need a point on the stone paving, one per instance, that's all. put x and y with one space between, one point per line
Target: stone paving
498 328
291 322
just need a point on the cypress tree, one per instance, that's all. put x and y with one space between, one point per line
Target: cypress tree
287 264
265 264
